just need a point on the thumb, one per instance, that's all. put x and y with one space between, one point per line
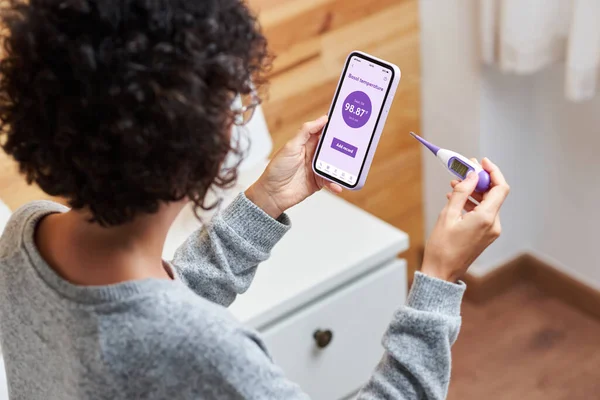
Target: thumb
461 194
307 130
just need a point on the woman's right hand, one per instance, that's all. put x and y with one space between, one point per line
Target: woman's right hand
458 239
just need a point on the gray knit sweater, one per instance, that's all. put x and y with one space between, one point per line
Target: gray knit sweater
162 339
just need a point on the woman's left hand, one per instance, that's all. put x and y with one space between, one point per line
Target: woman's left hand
289 177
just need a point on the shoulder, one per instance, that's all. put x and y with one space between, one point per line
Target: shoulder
25 217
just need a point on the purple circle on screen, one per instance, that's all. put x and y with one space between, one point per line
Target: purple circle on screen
356 109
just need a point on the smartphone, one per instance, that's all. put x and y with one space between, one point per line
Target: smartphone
357 116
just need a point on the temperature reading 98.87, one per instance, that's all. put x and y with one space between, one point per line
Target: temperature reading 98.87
355 110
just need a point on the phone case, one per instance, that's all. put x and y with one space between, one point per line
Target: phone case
378 130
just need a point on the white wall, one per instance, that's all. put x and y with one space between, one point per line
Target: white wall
567 206
506 137
460 100
544 144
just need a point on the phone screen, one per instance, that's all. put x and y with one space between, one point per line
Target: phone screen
353 119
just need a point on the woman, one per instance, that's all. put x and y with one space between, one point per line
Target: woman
124 108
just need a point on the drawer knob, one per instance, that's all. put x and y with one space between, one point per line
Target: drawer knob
323 338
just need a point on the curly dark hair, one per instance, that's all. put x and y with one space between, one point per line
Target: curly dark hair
119 105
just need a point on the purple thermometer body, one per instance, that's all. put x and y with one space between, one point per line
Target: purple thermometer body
458 165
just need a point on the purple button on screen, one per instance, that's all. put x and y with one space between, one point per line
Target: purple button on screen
344 147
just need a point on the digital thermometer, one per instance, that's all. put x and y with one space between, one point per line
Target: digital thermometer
458 165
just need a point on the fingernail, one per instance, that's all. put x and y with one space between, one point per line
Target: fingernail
471 175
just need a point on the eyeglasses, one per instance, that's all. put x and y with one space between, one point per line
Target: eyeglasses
244 107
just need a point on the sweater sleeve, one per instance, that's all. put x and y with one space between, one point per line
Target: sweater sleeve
417 359
219 261
416 363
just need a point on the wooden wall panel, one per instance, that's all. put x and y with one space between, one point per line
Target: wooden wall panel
311 39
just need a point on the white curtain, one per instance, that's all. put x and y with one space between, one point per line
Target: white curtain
525 36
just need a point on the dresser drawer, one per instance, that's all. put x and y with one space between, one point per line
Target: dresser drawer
331 347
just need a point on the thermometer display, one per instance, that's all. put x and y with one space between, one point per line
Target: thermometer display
459 168
358 111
